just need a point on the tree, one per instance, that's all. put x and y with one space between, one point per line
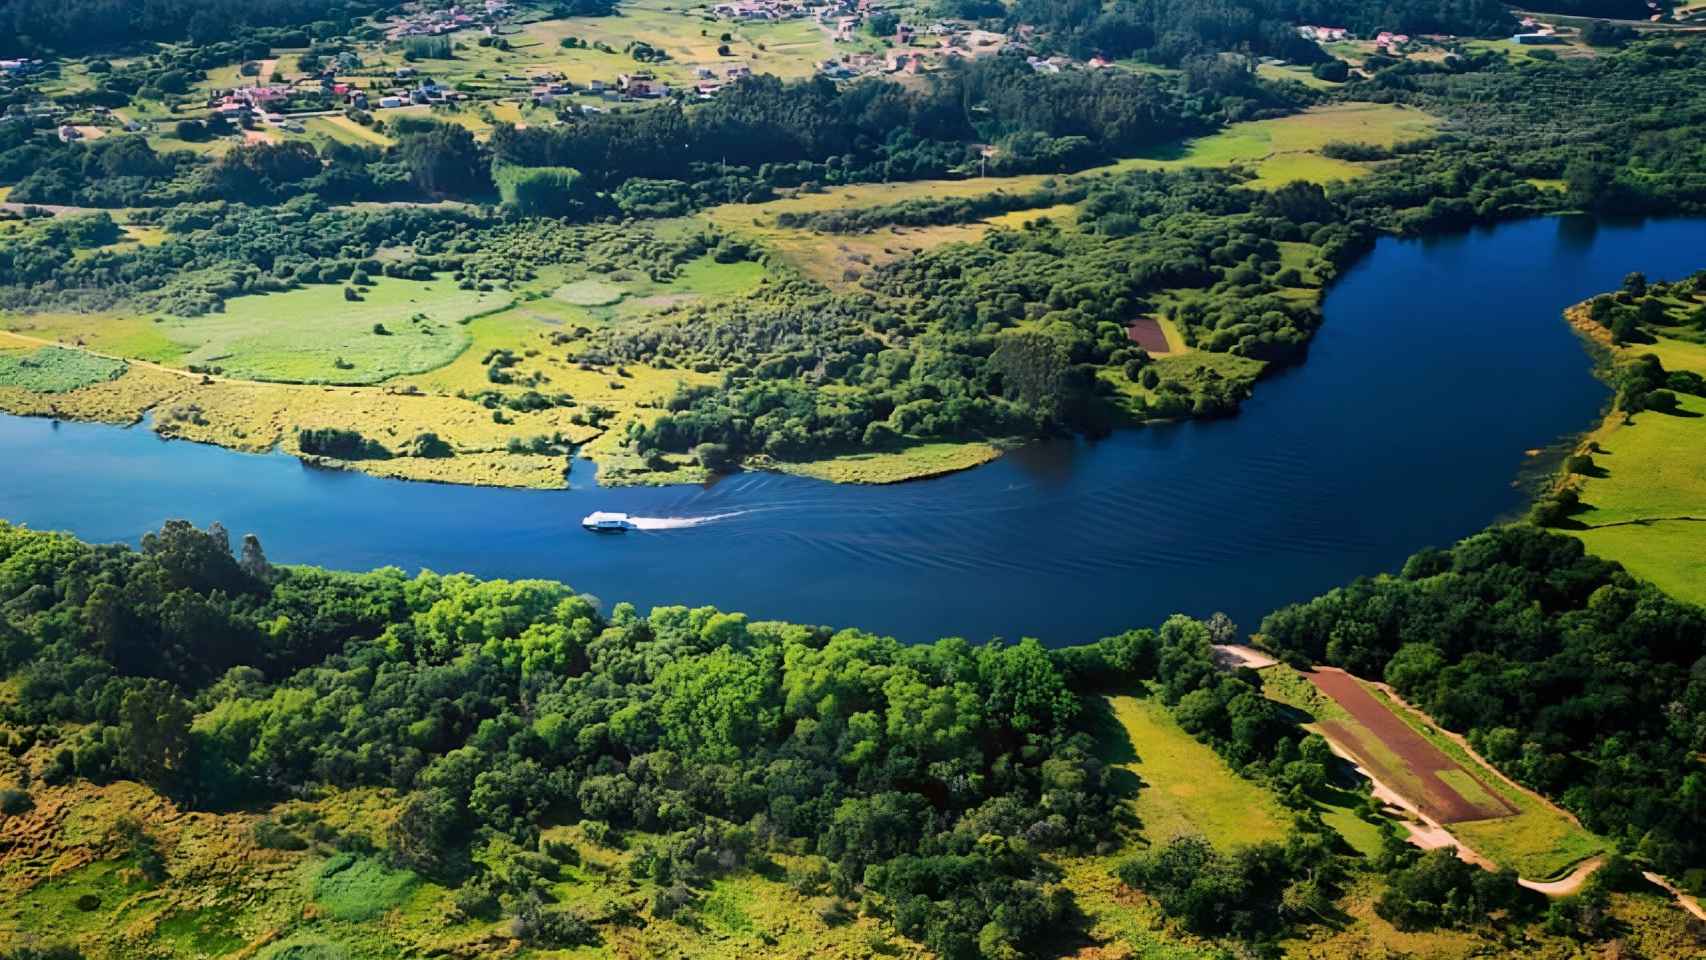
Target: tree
253 561
444 160
427 835
882 24
1333 71
154 732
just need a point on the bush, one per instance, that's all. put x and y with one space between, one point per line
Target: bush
1333 71
430 446
14 802
271 835
341 444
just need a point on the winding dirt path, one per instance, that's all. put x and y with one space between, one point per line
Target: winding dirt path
1568 884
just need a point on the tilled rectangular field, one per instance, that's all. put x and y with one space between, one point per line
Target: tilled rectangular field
1147 333
1401 758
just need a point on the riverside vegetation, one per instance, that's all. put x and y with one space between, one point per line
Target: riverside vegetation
863 340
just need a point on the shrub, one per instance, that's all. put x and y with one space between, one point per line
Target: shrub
14 802
271 835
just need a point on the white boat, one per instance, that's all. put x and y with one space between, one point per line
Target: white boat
602 522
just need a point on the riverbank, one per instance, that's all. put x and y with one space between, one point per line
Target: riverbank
1295 495
1636 484
509 376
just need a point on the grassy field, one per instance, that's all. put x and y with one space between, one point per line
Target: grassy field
1646 500
1671 554
912 462
225 896
1288 148
313 334
1181 786
56 370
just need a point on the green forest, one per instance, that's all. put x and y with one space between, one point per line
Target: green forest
205 753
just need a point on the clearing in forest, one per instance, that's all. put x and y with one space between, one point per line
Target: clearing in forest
1182 786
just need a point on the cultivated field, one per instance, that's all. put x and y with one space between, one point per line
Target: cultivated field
1148 333
1400 757
1433 771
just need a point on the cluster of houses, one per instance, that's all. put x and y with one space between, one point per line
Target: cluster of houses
433 23
761 10
21 67
1386 40
845 15
920 49
1324 34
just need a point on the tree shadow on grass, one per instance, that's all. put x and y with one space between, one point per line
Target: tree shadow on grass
1115 749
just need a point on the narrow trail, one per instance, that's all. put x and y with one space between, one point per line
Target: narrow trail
1569 883
1643 521
1683 900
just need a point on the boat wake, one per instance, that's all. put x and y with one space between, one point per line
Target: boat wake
678 523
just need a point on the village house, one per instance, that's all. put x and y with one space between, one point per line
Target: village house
640 85
739 70
908 63
759 10
68 133
260 96
1387 41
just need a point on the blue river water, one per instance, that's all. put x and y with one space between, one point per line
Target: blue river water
1442 361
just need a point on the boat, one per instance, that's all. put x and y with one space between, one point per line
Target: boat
603 522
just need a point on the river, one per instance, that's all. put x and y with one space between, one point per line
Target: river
1440 363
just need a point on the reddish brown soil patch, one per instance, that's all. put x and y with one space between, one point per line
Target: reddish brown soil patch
1146 332
1423 761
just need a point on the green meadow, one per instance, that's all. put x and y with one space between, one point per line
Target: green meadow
314 335
1181 786
1645 499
